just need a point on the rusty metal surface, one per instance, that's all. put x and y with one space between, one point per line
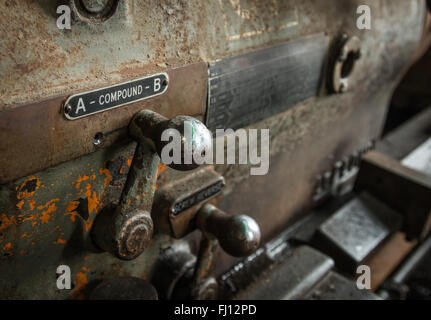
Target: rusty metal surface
140 33
310 138
37 136
46 216
46 219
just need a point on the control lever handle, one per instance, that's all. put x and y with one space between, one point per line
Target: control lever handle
154 128
126 229
239 235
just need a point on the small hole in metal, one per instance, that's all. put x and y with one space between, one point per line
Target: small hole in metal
348 65
98 139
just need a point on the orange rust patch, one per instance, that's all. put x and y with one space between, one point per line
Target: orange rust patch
32 204
93 200
25 235
160 169
80 282
50 208
59 241
7 247
108 176
125 166
28 187
6 222
70 210
33 218
20 204
129 161
80 179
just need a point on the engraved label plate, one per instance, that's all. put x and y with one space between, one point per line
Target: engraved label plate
99 100
251 87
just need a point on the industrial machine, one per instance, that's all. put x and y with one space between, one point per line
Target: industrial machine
308 196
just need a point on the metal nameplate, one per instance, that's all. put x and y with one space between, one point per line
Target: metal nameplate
198 197
251 87
99 100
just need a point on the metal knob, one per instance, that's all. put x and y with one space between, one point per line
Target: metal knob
239 235
195 138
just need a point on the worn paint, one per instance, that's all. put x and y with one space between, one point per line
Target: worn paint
80 283
162 167
28 187
20 204
6 222
50 207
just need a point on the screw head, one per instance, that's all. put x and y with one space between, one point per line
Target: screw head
98 139
68 109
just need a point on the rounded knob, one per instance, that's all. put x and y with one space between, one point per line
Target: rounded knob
239 235
192 136
124 236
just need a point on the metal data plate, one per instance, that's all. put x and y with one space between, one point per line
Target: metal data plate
95 101
420 158
196 198
251 87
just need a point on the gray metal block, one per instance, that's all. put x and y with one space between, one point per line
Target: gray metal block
353 232
336 287
291 278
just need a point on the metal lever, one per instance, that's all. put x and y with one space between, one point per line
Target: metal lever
149 126
239 235
126 230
